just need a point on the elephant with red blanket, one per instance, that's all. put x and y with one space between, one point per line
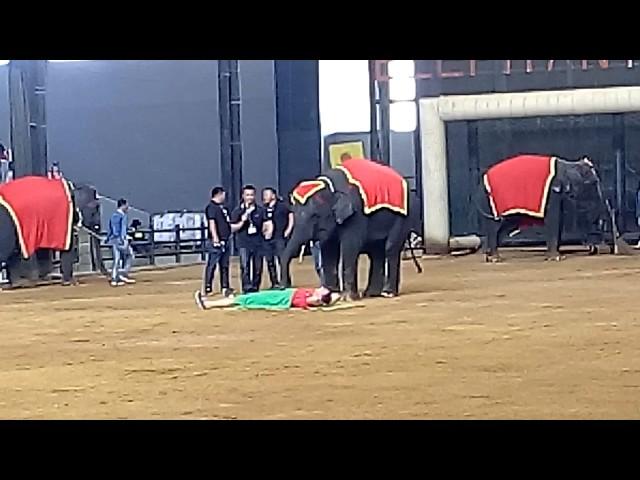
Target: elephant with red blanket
359 207
39 214
528 190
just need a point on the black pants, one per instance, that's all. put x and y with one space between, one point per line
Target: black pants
216 256
251 268
272 251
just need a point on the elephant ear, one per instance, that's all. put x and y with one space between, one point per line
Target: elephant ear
342 208
561 186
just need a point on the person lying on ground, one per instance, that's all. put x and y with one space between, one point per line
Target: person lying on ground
273 299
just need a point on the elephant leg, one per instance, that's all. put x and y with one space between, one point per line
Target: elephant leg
553 227
492 231
392 279
350 252
376 270
330 256
66 266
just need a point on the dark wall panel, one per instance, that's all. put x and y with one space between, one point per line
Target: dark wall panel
258 118
298 121
145 130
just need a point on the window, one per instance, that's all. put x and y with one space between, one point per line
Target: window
402 93
344 96
404 116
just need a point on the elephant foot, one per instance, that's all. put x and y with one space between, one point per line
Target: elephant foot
555 257
350 296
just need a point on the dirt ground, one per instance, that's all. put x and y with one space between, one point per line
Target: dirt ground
523 339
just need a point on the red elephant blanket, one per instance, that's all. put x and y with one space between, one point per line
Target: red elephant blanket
42 211
305 190
520 185
380 186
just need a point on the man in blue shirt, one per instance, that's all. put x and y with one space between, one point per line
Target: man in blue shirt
122 252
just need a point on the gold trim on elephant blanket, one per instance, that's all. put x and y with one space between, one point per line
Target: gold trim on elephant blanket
380 186
305 190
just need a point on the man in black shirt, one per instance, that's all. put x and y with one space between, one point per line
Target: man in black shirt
278 212
250 238
219 231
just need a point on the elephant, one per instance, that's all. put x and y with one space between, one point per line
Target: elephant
86 213
569 181
335 216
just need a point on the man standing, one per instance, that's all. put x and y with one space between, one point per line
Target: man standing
4 164
117 238
279 214
250 238
219 231
54 172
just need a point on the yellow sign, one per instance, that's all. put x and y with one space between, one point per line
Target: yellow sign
339 152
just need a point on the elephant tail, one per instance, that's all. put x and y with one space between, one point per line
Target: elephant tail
476 200
416 263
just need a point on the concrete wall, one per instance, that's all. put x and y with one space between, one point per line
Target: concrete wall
145 130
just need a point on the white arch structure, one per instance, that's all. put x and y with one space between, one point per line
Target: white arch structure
434 112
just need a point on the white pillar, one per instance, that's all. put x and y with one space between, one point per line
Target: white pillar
435 181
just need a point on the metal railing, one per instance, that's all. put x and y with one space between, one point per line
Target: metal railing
149 248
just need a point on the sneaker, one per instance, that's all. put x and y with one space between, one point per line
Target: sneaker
128 280
199 300
117 283
229 292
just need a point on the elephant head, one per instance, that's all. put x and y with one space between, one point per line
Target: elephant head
87 207
579 181
317 214
574 178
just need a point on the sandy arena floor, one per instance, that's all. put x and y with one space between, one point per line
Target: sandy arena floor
523 339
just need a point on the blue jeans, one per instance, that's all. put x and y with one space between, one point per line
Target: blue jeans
216 256
317 260
122 254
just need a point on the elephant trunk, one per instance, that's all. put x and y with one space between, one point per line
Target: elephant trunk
291 251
